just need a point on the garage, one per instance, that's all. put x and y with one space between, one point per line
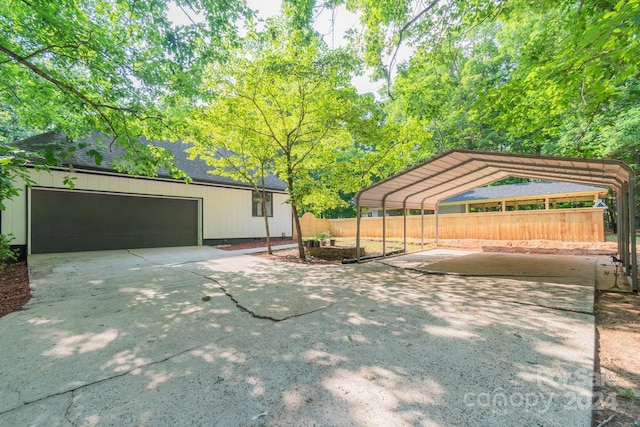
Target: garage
72 221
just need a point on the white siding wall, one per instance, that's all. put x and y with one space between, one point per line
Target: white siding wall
226 211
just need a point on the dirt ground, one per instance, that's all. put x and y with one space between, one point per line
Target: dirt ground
617 379
617 387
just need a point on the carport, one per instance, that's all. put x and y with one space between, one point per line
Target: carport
456 171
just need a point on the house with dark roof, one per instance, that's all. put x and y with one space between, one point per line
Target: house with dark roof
529 195
105 209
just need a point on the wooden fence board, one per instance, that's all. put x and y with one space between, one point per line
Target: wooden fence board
569 225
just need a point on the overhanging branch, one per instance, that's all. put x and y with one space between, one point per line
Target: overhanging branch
404 28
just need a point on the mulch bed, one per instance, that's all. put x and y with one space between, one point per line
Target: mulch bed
291 255
257 244
283 255
14 288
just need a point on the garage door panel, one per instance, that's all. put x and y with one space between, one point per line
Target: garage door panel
67 221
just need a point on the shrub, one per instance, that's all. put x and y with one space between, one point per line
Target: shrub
7 255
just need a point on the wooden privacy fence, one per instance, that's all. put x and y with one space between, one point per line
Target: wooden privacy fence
568 225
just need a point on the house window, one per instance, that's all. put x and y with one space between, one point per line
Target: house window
256 204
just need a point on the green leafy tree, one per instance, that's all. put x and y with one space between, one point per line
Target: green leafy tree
288 97
227 142
77 66
549 77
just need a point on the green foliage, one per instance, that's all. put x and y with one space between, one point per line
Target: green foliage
12 170
7 255
547 77
322 235
78 66
550 77
279 105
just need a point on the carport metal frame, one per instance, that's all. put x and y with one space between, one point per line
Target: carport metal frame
456 171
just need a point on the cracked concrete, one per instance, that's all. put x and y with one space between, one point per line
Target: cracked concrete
273 319
125 338
198 272
66 412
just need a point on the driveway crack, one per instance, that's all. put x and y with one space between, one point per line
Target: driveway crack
232 298
251 312
121 374
259 316
66 412
139 256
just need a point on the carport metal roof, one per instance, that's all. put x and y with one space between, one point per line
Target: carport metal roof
457 171
454 172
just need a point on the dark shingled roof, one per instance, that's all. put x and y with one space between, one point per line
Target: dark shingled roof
196 169
525 189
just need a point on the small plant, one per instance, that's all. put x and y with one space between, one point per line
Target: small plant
7 255
629 393
323 237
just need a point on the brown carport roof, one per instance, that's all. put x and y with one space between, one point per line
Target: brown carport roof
457 171
453 172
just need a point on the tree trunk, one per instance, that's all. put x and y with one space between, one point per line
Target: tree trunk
294 211
265 215
296 224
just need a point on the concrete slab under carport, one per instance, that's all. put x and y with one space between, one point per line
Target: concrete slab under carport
125 337
588 272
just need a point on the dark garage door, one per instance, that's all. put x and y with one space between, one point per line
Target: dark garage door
68 221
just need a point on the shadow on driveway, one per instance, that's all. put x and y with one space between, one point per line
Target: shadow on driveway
197 336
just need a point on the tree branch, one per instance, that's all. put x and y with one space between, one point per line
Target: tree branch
378 160
264 117
187 15
54 46
68 88
404 28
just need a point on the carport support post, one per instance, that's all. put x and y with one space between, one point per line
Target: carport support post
436 225
358 214
404 224
384 229
619 217
623 226
632 234
422 227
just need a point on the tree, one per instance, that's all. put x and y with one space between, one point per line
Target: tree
284 95
77 66
548 77
226 141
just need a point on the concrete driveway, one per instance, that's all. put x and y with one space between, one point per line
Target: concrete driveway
199 336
